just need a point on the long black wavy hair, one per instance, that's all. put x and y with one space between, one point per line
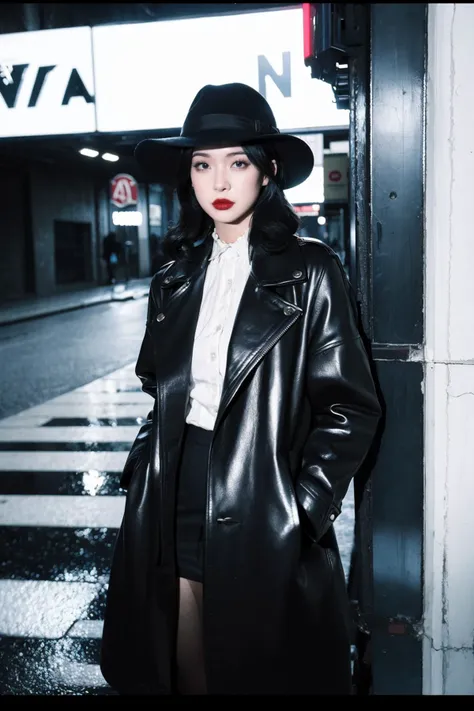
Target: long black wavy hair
273 221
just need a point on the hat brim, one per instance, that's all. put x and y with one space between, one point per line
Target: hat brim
159 158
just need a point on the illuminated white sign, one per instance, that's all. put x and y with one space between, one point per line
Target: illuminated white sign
76 80
128 218
46 83
312 190
160 67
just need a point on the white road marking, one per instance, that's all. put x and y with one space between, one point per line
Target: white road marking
87 629
42 608
61 511
75 397
62 461
81 409
70 434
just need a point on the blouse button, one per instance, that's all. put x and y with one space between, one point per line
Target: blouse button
160 317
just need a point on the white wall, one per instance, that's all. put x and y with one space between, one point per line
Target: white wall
449 393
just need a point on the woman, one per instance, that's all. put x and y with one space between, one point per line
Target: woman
226 576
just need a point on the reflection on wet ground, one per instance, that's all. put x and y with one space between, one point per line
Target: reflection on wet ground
88 483
46 667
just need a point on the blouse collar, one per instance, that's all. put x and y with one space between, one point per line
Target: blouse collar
237 248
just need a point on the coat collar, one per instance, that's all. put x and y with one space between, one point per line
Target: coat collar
269 269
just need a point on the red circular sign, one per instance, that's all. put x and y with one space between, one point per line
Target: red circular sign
123 190
335 176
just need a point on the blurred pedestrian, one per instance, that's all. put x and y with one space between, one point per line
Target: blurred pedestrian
111 250
226 576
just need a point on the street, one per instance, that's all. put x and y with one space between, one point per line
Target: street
71 406
49 356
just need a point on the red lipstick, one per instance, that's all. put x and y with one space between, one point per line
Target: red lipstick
222 204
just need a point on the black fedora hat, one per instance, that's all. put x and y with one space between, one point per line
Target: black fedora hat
225 115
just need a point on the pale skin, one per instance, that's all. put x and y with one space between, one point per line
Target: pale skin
226 173
216 174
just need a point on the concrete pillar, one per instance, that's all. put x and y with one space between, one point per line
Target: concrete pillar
448 654
143 233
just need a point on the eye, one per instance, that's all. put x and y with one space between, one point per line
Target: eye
200 165
240 164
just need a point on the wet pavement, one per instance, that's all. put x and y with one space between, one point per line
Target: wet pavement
60 508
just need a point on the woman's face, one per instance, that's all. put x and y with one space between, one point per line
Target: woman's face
226 184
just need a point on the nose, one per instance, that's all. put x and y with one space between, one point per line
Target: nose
221 181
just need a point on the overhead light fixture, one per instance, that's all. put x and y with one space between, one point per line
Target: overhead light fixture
110 156
89 152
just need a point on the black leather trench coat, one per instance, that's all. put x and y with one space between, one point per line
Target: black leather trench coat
297 416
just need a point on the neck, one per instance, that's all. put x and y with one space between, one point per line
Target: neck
231 232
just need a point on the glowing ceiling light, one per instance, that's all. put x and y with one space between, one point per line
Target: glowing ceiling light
89 152
110 156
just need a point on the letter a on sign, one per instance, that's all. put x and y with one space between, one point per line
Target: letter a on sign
123 190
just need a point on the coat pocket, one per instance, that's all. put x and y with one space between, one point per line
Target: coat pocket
317 509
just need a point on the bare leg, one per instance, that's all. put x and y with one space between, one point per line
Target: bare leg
190 652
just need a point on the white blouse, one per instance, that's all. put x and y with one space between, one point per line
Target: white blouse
226 276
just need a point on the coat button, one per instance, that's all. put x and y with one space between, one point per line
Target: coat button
288 310
332 517
297 274
160 317
167 280
226 520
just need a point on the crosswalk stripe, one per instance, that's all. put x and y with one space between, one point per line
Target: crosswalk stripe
75 397
89 629
110 386
42 608
70 434
62 461
68 511
82 409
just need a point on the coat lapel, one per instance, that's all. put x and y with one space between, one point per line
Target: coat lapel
263 316
180 299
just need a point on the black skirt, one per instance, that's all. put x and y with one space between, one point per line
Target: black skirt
191 503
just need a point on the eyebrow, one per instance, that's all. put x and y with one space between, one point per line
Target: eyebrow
207 155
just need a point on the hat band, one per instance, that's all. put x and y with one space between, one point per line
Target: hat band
215 122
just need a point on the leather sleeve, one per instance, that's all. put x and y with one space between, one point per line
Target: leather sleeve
345 410
145 370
